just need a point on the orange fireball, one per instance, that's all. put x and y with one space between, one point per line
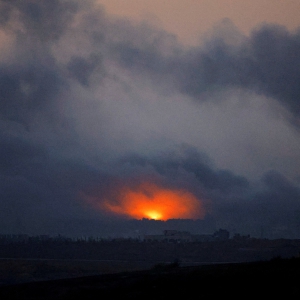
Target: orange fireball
151 201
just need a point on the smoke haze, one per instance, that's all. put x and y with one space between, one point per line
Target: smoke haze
91 102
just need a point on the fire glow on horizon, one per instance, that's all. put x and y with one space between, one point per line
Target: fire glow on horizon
151 201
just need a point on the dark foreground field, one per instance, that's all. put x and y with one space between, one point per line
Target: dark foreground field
277 277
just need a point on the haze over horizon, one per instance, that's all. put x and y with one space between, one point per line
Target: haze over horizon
113 110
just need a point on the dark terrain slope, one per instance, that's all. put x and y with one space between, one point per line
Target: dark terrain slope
276 277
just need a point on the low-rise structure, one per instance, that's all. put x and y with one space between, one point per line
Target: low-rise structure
185 236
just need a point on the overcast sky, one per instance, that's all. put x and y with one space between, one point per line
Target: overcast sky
193 96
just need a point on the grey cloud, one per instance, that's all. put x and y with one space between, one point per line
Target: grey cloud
38 190
82 68
44 19
280 193
33 80
268 62
133 57
268 208
17 154
208 178
24 90
30 81
65 82
278 63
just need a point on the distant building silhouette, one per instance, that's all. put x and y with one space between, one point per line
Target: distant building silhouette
186 236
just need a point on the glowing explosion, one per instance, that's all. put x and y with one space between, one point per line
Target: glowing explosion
154 202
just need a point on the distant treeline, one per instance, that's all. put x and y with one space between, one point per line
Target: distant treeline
25 238
175 235
237 249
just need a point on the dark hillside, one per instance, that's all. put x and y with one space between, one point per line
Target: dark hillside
277 277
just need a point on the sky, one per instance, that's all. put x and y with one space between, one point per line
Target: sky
113 110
